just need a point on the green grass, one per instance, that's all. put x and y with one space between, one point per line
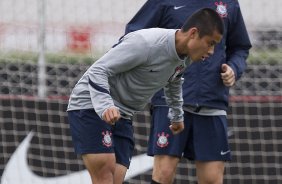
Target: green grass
32 57
265 56
257 56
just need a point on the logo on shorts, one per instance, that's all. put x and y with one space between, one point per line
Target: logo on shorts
221 9
224 152
178 7
162 140
107 140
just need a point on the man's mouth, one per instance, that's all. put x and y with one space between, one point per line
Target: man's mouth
205 56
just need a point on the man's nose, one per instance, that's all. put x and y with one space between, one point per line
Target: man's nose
211 50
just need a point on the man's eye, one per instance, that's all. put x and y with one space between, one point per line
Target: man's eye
212 44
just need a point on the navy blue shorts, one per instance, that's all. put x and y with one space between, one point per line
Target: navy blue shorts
90 134
204 138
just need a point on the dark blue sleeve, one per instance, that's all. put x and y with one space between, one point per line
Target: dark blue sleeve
237 43
147 17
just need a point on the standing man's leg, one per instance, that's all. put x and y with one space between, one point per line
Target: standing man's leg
164 168
210 172
164 146
101 167
208 147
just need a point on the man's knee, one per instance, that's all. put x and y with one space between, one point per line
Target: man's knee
213 179
210 172
163 174
164 168
101 167
154 182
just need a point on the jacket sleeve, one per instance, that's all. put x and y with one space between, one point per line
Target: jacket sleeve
237 43
147 17
122 58
174 100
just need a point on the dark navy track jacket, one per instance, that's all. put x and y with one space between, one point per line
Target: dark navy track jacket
203 85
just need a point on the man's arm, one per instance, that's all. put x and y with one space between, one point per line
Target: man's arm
174 99
237 44
128 54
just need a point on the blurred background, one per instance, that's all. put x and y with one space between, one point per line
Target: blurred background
45 47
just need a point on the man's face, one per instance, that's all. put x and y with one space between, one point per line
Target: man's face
201 48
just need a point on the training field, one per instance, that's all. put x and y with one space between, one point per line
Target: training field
45 46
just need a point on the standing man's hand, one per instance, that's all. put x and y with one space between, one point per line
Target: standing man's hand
176 127
111 115
227 75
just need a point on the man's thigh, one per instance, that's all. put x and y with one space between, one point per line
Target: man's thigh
210 172
90 134
209 140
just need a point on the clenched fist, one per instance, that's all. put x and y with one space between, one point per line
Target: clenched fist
176 127
227 75
111 115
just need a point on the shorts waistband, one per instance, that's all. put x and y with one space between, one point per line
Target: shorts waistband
125 116
202 110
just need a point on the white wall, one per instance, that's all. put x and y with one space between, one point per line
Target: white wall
19 20
256 12
260 14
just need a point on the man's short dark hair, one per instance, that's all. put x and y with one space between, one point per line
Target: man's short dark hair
206 20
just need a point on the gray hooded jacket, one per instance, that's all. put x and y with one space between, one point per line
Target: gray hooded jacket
130 73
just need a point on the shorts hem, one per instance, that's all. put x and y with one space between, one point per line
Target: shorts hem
83 152
208 160
172 155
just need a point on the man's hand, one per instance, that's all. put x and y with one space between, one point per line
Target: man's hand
227 75
111 115
176 127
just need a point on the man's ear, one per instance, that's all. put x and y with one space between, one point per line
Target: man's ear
193 32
